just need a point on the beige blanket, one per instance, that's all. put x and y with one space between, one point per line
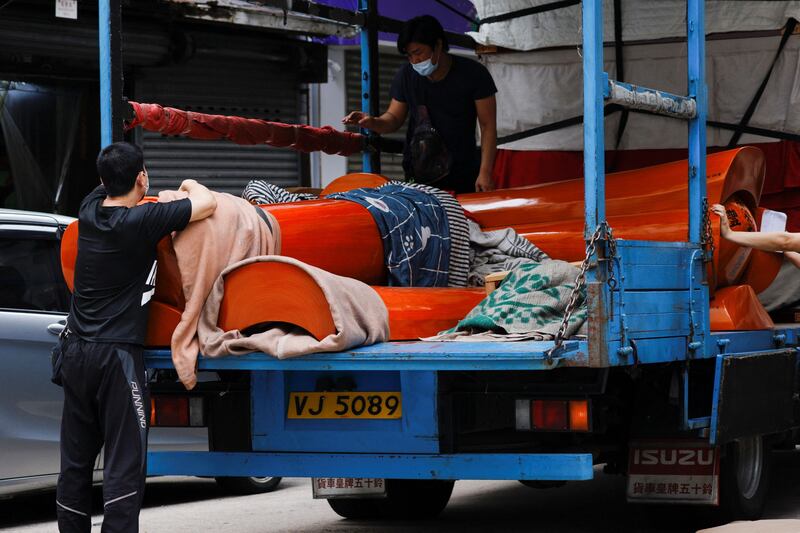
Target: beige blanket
759 526
358 313
204 249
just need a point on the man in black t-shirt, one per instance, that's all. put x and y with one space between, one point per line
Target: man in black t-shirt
453 92
101 366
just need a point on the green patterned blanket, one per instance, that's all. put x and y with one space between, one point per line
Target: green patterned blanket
528 305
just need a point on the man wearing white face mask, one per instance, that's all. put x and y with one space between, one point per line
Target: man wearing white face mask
98 359
444 95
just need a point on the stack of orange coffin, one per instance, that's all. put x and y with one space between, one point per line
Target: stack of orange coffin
341 237
651 204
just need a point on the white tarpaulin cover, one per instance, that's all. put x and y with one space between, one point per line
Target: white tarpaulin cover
542 87
641 20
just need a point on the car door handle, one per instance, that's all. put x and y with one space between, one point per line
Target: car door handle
56 328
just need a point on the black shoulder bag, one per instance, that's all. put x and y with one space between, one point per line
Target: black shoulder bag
430 159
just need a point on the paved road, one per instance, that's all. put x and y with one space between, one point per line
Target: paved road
177 505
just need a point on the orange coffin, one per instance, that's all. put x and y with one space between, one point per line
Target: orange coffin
265 292
737 308
643 191
260 293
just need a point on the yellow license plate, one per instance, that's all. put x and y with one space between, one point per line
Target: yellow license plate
368 405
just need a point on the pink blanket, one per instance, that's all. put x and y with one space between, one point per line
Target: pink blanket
204 250
358 312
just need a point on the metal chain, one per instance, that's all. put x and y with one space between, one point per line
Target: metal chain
602 230
612 253
707 239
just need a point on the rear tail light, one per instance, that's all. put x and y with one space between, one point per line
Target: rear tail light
548 414
177 411
579 415
552 415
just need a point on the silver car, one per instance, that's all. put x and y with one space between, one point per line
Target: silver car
34 302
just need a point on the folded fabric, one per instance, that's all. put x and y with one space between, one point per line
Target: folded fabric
786 525
358 313
414 231
262 192
235 231
498 251
529 305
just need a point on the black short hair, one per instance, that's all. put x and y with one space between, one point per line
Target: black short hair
424 29
118 165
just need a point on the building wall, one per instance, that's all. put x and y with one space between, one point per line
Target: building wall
332 108
218 69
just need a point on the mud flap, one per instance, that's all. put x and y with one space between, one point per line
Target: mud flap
755 395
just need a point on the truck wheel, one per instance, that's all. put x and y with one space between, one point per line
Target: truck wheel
408 499
745 478
248 485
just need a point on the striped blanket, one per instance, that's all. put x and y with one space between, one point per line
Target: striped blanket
262 192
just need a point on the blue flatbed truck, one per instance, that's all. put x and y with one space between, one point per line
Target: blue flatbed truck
688 415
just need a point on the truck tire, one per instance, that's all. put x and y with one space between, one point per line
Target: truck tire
744 481
406 499
248 485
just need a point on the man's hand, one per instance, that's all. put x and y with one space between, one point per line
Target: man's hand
186 185
357 118
203 201
484 183
724 226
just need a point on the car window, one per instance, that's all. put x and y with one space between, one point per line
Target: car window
30 274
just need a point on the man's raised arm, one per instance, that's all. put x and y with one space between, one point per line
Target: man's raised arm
203 201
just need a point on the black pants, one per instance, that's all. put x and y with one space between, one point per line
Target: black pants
106 402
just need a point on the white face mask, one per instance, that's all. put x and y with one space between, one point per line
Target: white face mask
425 68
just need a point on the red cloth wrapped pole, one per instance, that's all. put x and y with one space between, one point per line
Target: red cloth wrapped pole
240 130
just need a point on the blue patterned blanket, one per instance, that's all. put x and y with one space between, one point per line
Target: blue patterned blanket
415 233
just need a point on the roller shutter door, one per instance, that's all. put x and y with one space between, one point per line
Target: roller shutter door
226 77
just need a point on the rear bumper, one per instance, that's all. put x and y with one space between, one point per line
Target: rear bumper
549 467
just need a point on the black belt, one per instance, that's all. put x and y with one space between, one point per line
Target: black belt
263 217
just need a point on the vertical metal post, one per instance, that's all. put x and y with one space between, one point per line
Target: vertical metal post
315 158
695 30
593 131
370 88
696 39
109 22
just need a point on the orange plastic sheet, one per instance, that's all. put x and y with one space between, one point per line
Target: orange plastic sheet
240 130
